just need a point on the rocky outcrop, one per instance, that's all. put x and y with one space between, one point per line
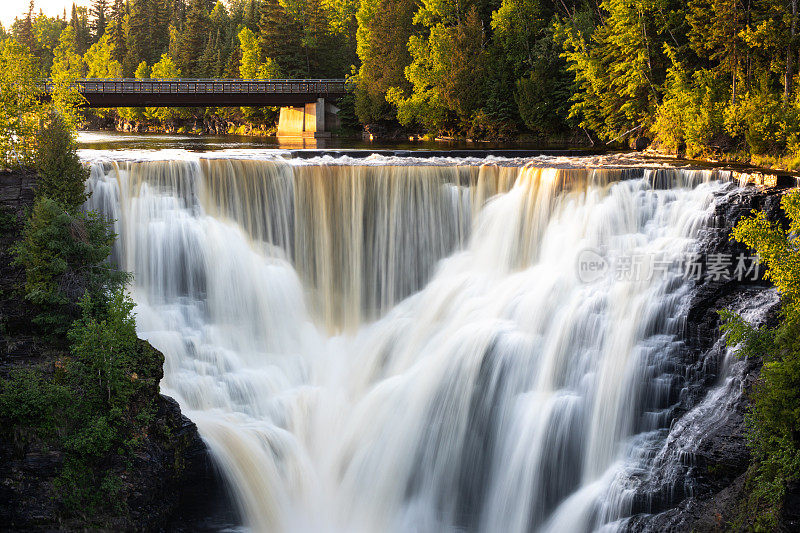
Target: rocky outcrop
16 190
168 483
696 480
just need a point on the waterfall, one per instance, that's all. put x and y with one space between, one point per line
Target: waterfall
383 347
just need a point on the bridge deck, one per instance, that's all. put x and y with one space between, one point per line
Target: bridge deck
133 92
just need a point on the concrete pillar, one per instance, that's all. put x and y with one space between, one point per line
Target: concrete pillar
306 121
291 121
319 107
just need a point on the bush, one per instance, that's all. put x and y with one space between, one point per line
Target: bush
61 173
64 256
106 348
31 398
97 404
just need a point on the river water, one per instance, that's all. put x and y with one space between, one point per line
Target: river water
398 344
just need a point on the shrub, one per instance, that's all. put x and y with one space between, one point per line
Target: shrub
61 174
64 256
106 348
97 404
31 398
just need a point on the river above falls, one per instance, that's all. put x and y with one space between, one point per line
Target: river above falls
111 140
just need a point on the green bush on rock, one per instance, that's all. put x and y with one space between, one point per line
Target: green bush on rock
64 256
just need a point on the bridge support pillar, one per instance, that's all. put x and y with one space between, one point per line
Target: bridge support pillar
307 121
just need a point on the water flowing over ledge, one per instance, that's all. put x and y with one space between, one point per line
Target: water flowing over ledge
369 346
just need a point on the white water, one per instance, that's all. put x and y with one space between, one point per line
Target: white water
382 348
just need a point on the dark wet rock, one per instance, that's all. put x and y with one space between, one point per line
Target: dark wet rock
696 479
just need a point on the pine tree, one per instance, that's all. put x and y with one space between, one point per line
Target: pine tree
194 39
25 32
117 30
715 37
280 39
80 25
384 27
148 32
99 12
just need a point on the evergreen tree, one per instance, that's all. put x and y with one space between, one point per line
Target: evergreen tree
148 32
80 27
99 12
194 40
280 39
715 37
116 30
23 30
384 27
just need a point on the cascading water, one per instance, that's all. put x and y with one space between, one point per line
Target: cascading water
378 347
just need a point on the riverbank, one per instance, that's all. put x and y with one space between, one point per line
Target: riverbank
786 163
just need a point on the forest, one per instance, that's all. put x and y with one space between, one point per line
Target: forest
702 78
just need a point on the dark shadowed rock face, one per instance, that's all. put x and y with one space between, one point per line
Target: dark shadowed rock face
697 475
170 482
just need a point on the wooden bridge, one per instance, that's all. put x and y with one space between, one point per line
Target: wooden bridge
134 92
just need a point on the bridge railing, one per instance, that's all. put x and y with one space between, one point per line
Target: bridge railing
205 86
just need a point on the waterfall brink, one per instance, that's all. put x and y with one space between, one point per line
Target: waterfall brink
410 348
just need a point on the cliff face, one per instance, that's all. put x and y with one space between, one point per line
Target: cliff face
168 482
697 478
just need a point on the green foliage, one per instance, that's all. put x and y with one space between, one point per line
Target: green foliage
447 70
106 347
384 28
68 67
703 75
64 256
94 405
691 114
621 66
8 220
85 491
61 173
252 66
192 43
751 341
542 97
146 31
165 68
142 71
47 31
100 60
135 113
764 121
32 398
774 416
20 106
778 248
